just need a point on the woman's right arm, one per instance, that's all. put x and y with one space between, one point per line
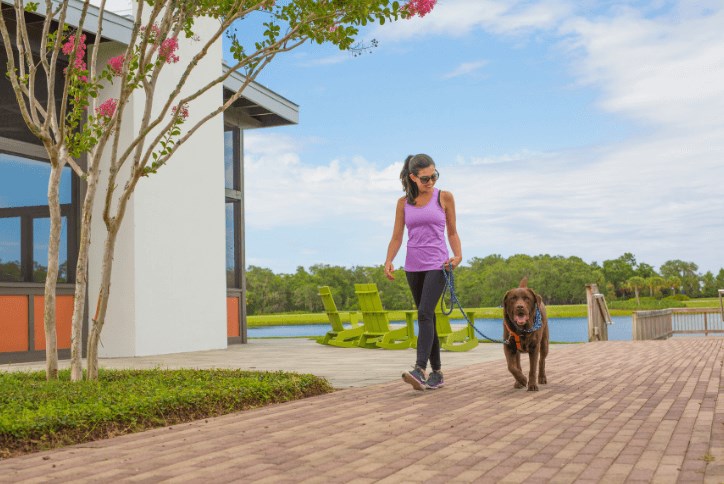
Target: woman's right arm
396 242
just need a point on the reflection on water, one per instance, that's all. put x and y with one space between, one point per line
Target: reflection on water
569 330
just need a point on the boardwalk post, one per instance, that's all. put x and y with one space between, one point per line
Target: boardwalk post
598 316
590 290
635 327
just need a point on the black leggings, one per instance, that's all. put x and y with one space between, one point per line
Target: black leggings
427 287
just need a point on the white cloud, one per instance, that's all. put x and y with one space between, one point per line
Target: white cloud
662 71
522 155
465 68
459 17
641 197
282 191
657 194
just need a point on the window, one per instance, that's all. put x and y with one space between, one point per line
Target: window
234 207
25 220
10 250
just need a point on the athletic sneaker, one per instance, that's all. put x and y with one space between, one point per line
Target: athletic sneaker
416 378
435 380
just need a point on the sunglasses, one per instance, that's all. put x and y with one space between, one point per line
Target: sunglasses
427 179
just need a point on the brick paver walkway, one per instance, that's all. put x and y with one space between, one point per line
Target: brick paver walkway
612 412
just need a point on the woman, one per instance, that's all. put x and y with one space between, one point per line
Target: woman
426 212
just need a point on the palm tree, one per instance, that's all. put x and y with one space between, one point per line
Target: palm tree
654 283
673 282
636 283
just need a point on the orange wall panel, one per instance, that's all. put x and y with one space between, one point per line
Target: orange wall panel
63 317
13 323
232 316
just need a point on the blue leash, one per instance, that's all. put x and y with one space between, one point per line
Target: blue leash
450 287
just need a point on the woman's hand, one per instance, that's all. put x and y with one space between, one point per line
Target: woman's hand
453 262
389 271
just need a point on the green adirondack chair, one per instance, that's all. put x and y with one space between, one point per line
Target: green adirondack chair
377 332
338 335
452 340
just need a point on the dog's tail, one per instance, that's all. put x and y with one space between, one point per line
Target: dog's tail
524 282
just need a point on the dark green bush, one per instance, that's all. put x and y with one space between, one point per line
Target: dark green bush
36 414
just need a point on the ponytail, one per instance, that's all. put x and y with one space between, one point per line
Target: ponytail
408 186
413 164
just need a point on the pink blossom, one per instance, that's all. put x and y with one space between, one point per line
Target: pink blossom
153 32
183 111
167 50
420 7
116 64
79 62
107 109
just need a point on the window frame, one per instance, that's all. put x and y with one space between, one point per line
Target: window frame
26 287
235 196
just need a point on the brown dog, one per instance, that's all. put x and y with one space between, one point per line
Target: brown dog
525 330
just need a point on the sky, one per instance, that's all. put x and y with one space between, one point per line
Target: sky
573 128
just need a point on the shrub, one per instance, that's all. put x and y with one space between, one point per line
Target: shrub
646 304
36 414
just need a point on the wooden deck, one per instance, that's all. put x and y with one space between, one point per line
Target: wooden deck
649 411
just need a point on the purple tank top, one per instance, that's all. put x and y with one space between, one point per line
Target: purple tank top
426 248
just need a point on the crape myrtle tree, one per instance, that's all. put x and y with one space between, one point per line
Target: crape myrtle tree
77 123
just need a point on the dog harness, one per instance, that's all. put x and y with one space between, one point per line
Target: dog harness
537 324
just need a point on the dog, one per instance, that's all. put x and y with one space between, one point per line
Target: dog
525 330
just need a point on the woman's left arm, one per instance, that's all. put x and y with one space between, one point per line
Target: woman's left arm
448 204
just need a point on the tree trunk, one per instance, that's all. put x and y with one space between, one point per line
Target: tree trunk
81 280
102 305
636 291
51 278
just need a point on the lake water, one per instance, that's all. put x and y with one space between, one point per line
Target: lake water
570 330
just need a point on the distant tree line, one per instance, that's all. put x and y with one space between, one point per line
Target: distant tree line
483 282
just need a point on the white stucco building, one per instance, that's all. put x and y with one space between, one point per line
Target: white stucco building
178 270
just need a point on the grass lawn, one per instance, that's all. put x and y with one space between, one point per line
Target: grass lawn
705 302
554 311
562 311
36 414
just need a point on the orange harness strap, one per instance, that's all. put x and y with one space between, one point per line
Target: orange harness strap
515 336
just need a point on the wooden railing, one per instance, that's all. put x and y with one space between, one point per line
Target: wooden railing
697 321
664 323
652 324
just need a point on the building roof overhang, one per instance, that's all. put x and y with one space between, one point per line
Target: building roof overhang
258 106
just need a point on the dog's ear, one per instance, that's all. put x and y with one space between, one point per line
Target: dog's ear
505 304
536 297
524 282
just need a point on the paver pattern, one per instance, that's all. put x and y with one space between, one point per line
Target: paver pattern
612 412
